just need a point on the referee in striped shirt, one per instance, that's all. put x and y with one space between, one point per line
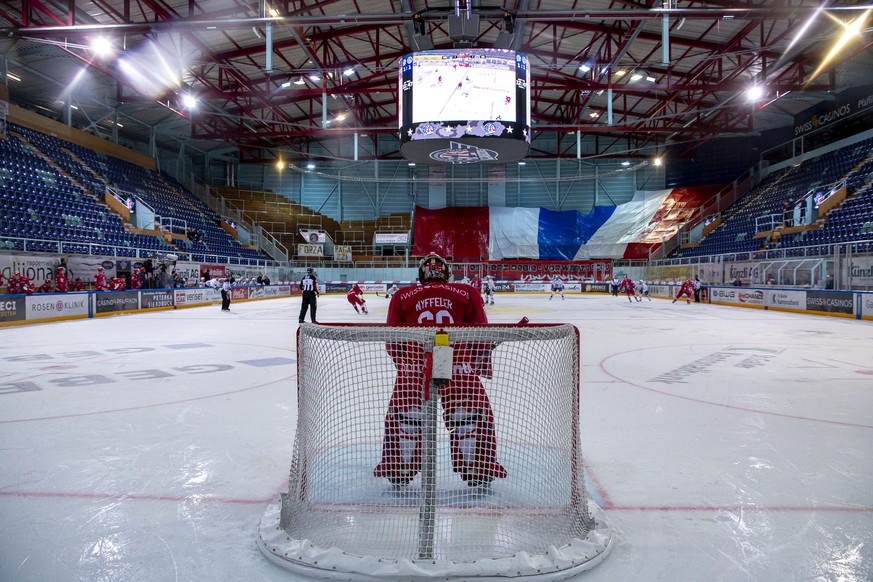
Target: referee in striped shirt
309 288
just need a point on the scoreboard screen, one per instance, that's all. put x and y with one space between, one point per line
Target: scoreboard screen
465 106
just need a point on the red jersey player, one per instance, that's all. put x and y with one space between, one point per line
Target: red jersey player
687 290
356 298
628 286
100 280
467 410
61 280
135 279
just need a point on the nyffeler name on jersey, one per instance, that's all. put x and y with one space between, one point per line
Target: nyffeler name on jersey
428 302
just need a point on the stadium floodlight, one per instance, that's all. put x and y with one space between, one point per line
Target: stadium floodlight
349 72
286 84
314 77
188 101
755 93
625 163
657 161
584 67
300 81
102 46
310 166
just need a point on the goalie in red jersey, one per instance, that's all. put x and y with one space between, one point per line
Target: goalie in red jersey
466 409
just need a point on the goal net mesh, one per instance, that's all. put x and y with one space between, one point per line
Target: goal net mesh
512 403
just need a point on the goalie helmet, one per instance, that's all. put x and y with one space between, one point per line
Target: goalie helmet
433 268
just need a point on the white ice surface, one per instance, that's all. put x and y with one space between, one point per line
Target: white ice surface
724 444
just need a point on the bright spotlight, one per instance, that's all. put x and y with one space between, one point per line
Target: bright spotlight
755 93
310 166
851 32
280 165
658 161
314 77
349 72
286 84
188 101
584 68
625 163
102 47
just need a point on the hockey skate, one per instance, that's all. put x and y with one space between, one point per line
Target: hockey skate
397 474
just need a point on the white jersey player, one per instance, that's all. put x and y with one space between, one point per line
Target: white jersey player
557 287
391 291
488 287
644 291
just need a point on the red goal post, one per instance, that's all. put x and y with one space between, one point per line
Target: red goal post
338 521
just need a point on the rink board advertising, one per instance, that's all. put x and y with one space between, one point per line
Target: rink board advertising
11 308
830 301
116 301
153 299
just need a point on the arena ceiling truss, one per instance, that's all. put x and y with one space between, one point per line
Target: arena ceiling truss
285 74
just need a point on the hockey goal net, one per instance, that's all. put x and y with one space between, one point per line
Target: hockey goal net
339 520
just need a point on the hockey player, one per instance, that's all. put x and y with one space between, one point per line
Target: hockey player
628 286
117 284
226 292
476 283
309 291
356 298
614 285
46 287
467 410
78 284
557 287
100 283
61 280
18 284
135 279
644 291
687 290
391 291
488 287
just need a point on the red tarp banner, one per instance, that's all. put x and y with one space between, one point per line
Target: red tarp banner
459 232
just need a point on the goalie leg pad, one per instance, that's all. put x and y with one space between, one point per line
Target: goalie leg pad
401 449
473 446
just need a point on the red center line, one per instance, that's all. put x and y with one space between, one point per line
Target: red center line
609 507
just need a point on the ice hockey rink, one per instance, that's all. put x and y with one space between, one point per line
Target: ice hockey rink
724 444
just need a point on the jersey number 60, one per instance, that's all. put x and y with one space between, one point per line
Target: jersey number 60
441 317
